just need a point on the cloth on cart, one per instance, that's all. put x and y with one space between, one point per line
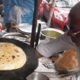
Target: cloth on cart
18 11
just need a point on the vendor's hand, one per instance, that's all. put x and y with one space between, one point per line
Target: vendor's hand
75 38
76 41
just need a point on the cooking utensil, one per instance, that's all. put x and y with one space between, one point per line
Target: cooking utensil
38 35
51 33
37 76
29 66
25 28
18 36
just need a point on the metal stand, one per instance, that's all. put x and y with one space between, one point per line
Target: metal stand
34 24
37 35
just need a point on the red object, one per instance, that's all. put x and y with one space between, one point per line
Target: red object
45 10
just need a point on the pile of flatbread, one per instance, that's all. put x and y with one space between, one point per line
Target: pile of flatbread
68 60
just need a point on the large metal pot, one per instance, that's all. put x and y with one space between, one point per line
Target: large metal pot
51 33
28 68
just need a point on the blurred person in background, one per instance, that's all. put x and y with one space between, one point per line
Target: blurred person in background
17 12
1 15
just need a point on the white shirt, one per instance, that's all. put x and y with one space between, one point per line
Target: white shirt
48 47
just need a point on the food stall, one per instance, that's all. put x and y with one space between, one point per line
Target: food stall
41 68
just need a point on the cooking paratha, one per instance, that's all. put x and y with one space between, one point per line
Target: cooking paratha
11 56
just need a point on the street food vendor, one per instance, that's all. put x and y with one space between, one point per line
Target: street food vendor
71 39
18 11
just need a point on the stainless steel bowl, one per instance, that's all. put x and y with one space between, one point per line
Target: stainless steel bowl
17 36
51 33
37 76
